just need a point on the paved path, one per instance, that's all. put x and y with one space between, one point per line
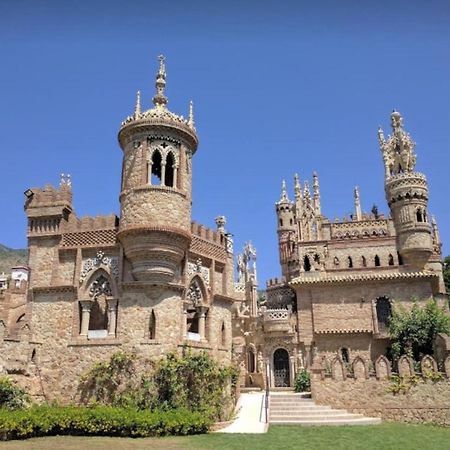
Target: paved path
250 415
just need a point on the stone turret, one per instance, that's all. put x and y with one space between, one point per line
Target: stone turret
407 194
155 198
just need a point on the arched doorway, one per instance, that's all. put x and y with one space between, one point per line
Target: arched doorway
281 373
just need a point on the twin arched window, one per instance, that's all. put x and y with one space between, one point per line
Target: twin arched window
162 171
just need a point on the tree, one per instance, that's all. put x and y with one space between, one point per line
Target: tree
413 332
447 273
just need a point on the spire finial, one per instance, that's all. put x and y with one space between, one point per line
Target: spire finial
191 121
160 99
137 108
284 195
297 186
358 211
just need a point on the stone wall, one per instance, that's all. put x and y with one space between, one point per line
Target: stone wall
409 397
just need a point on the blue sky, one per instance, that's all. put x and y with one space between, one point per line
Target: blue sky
279 87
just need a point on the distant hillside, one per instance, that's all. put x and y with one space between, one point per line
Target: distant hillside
10 257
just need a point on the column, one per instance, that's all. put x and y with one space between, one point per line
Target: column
202 324
291 370
85 316
184 323
112 316
374 317
163 174
149 172
175 175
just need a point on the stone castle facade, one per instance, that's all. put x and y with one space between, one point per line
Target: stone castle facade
153 281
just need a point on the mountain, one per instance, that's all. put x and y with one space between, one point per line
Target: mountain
10 257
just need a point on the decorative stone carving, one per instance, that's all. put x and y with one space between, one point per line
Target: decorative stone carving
405 366
428 365
90 264
194 294
382 368
100 286
198 268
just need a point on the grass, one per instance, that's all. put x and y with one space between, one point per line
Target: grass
386 436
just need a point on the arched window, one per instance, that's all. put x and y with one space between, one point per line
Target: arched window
152 326
251 361
345 354
419 216
307 264
384 312
99 290
155 178
223 335
336 261
281 222
391 260
350 262
169 170
377 261
363 261
400 259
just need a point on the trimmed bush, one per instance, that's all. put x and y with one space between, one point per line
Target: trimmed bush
11 395
302 381
99 421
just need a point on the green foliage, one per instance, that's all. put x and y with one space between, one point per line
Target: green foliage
413 332
401 385
447 273
11 395
195 382
99 421
302 381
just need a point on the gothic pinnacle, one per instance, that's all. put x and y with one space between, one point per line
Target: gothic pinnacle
284 195
191 121
297 186
160 99
137 108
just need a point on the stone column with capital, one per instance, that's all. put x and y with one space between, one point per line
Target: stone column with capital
86 306
202 324
112 316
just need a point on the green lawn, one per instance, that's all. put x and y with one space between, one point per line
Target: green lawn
386 436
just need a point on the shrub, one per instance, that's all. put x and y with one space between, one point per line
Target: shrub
99 421
11 395
302 381
195 382
413 332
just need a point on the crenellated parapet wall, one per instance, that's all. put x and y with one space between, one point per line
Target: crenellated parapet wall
373 389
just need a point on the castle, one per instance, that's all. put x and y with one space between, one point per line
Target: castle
153 281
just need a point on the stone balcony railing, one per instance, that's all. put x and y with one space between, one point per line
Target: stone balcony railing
277 320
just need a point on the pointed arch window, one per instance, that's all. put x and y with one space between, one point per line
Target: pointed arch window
345 354
152 326
350 262
391 260
169 170
251 361
377 261
307 264
156 168
196 312
363 261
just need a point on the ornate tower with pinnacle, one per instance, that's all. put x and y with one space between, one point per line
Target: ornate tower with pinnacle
155 198
407 194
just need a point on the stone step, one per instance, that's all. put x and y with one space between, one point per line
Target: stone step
292 409
319 413
327 421
301 409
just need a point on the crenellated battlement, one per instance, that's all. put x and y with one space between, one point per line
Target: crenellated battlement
208 234
88 223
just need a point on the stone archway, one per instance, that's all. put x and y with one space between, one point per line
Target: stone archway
281 369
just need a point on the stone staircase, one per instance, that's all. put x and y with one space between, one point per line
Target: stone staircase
299 409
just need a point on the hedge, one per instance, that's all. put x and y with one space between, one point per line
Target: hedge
99 421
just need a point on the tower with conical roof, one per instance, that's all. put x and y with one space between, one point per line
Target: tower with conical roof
406 194
155 197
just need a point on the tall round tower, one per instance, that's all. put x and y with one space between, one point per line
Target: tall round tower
406 194
155 197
